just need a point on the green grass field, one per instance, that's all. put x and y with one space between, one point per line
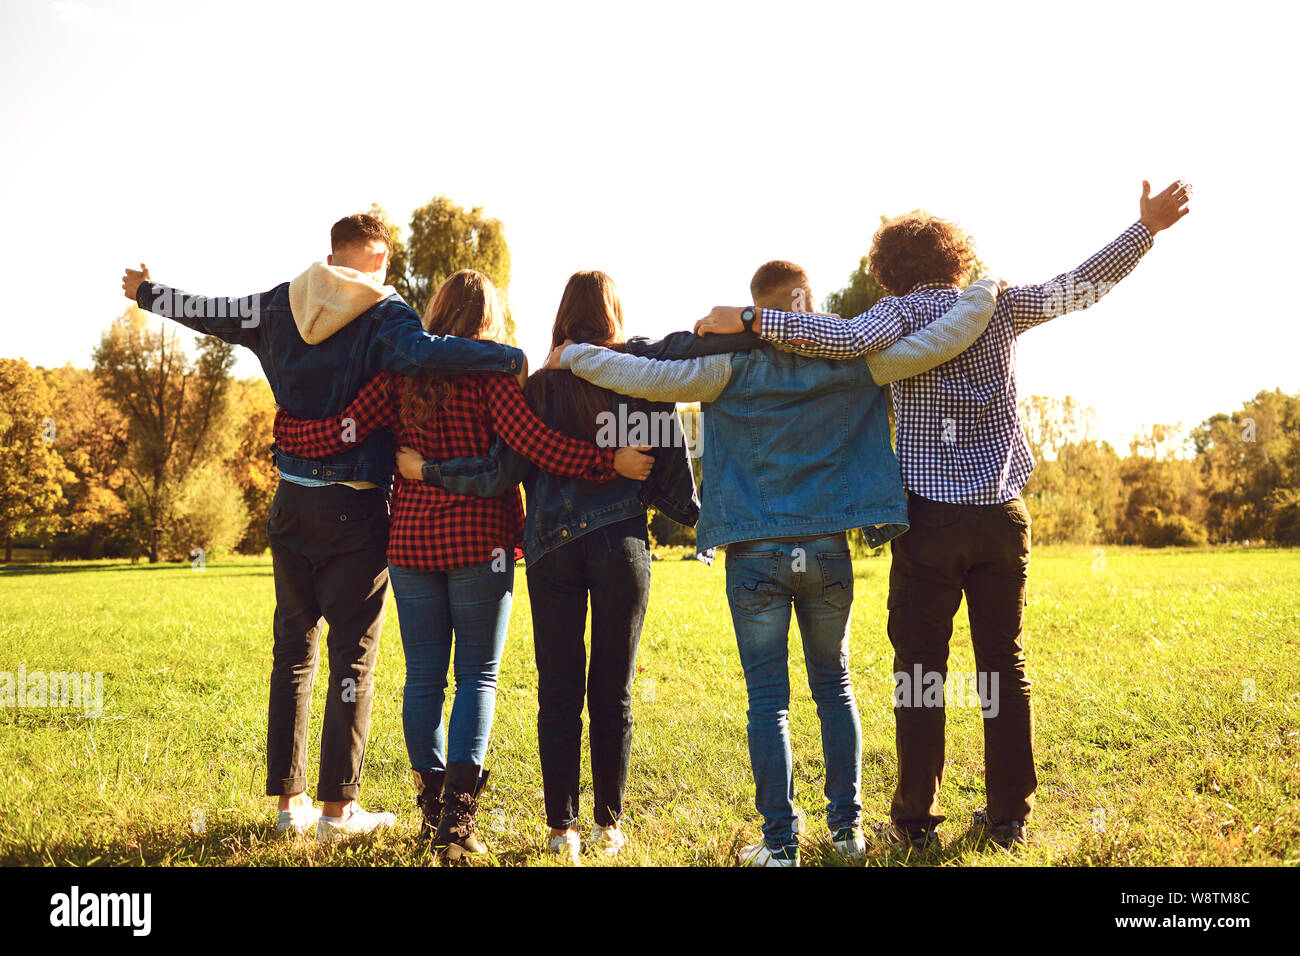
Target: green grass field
1166 688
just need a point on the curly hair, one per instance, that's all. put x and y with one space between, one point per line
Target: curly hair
918 247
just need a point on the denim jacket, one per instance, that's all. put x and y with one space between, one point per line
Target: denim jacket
561 510
316 381
798 447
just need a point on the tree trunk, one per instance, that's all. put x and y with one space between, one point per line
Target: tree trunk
9 549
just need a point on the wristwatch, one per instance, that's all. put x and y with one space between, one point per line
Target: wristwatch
747 315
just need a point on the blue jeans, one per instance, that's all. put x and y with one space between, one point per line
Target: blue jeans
764 580
473 605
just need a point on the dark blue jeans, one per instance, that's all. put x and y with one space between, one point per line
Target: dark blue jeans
612 566
467 607
764 580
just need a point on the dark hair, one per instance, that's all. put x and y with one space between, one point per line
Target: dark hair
919 247
590 311
774 275
359 228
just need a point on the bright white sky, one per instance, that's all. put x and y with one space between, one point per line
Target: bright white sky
676 147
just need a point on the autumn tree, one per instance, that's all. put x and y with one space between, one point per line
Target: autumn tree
1250 463
92 438
444 238
31 470
175 407
251 464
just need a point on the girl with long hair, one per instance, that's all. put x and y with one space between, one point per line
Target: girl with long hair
452 557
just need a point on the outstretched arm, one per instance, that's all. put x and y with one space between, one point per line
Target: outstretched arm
942 340
1032 305
236 321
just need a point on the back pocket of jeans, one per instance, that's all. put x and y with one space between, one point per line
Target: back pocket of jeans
837 578
752 581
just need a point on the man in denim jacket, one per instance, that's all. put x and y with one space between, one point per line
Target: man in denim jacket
797 453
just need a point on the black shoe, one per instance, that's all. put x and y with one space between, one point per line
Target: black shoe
918 838
428 797
1005 833
460 793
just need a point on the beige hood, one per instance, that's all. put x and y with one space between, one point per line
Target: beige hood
326 298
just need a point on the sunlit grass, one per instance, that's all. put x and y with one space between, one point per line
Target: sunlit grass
1165 683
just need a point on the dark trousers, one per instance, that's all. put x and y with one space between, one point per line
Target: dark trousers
328 549
982 550
612 566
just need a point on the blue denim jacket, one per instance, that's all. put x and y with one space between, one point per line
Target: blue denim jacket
798 447
561 510
316 381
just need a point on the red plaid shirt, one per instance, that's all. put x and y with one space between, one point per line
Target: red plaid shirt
432 529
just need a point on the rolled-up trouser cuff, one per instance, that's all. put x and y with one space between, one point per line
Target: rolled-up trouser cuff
348 791
285 786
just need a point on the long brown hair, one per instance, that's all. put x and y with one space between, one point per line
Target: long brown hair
467 305
590 311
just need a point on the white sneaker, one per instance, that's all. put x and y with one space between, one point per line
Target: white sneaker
353 823
296 820
608 841
760 855
567 845
850 842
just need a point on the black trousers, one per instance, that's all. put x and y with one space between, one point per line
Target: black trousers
612 566
982 551
328 549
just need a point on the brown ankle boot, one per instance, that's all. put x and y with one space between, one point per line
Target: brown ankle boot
460 802
428 797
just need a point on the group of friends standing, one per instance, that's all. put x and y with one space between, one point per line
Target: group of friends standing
401 443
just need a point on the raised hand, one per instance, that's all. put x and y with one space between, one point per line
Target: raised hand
131 280
631 462
1165 208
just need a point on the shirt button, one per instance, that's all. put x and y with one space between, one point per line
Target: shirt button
564 532
343 517
582 524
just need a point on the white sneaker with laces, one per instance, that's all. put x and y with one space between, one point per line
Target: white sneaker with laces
608 841
353 823
296 820
760 855
567 845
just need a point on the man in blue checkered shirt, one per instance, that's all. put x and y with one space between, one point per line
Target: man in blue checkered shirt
964 460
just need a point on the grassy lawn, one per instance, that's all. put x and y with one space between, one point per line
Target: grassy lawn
1166 687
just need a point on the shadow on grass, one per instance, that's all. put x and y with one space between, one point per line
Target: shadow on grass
214 847
23 570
